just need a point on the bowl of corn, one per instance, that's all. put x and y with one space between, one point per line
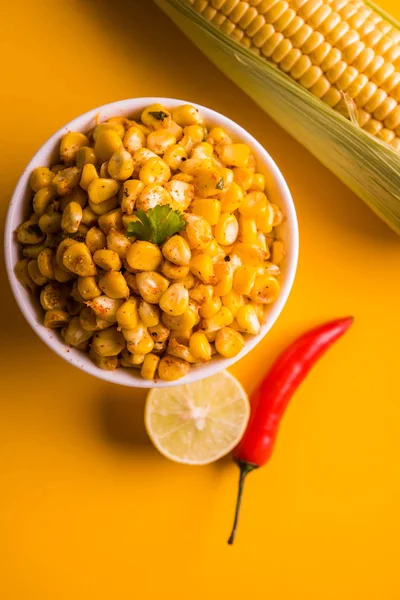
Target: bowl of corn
151 241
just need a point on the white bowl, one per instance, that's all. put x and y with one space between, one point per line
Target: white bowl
277 191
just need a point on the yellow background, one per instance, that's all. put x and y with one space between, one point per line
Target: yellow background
88 509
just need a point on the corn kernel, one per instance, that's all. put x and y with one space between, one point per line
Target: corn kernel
229 342
160 140
210 307
224 274
101 189
235 155
233 300
108 141
186 115
247 319
175 300
144 256
252 204
227 229
247 230
157 116
218 135
232 199
265 218
198 232
200 347
154 170
202 267
258 184
149 314
208 208
243 279
174 155
149 366
265 289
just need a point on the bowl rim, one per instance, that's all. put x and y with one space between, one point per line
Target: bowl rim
74 356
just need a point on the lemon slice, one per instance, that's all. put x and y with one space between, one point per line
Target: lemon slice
197 423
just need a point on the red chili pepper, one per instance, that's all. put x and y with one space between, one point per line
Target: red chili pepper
271 398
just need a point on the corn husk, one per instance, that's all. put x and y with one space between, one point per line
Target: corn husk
369 167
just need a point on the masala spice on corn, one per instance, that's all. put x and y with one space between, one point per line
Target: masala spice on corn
159 304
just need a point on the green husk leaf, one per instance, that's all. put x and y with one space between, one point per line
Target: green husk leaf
368 166
156 225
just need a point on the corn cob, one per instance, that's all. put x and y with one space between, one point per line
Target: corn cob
345 52
342 51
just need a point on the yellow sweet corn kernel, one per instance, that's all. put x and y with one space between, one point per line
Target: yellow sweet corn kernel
243 177
107 142
160 140
89 173
277 252
234 155
243 279
227 229
196 133
201 293
251 254
134 139
156 116
176 348
202 150
171 368
174 271
175 300
101 189
258 184
186 115
265 218
222 318
247 319
232 199
252 204
198 232
151 286
181 193
202 267
144 256
149 314
174 156
154 170
200 347
229 342
149 366
208 208
233 300
225 181
247 230
224 274
210 307
128 194
176 250
127 314
193 165
153 194
218 135
265 289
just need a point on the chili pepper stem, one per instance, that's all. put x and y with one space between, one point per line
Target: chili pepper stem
245 468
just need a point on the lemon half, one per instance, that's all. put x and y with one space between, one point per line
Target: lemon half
197 423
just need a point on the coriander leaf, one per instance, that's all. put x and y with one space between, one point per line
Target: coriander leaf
158 224
220 184
159 115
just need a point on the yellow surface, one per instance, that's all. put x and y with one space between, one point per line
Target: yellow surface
88 509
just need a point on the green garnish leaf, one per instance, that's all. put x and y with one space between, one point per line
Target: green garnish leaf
160 115
157 224
220 184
